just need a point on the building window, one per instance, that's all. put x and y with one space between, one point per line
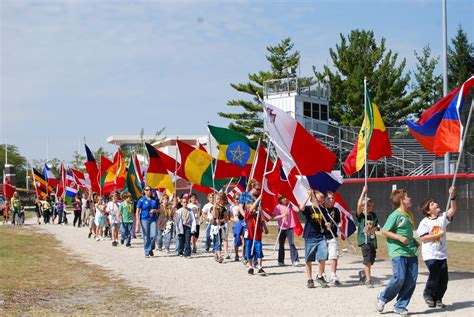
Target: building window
315 113
324 112
307 109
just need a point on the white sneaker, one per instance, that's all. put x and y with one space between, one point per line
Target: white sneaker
334 280
379 304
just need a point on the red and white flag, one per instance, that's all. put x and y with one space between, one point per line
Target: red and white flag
347 225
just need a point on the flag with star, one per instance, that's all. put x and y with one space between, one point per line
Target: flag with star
236 153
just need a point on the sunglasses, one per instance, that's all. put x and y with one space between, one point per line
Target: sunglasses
147 189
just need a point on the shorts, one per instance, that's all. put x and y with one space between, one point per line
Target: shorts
368 253
115 226
258 254
196 234
6 214
238 233
100 221
315 249
91 222
333 249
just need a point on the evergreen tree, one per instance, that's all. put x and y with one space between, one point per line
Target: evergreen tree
360 55
250 122
460 60
428 87
78 161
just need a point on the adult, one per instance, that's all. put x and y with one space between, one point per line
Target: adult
85 209
147 212
77 207
16 206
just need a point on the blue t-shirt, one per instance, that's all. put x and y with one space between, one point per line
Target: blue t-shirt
146 205
246 198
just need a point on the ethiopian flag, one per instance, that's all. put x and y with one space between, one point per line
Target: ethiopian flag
134 186
196 166
114 177
236 153
157 175
377 141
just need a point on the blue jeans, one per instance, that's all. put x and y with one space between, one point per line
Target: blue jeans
291 241
167 239
403 281
149 235
125 230
184 241
208 236
159 238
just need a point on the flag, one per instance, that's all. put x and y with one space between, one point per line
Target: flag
439 129
105 164
239 188
62 180
259 165
378 144
347 225
134 185
196 166
236 153
81 179
7 189
114 177
295 143
138 169
71 187
92 170
50 178
157 174
325 182
40 184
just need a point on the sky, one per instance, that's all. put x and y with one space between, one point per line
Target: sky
90 69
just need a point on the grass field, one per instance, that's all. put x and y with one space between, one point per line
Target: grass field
38 278
458 259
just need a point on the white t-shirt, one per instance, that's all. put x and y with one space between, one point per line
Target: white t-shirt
114 212
435 249
207 209
196 208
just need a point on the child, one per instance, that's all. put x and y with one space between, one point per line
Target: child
168 212
220 217
314 234
432 231
77 207
185 226
206 213
238 230
126 217
38 211
46 211
6 212
284 214
100 219
15 205
195 206
331 236
402 248
369 246
114 217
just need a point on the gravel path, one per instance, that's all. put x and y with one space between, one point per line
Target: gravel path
227 289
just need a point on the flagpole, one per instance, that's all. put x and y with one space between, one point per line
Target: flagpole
444 58
255 160
213 168
461 150
366 167
228 184
6 152
176 166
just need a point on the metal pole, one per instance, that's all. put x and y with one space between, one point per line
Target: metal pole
447 156
365 152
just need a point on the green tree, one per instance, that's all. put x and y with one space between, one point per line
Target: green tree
460 59
78 161
282 58
129 149
428 87
17 160
359 55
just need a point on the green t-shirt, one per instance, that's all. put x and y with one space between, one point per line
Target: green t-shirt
399 223
16 203
127 212
372 222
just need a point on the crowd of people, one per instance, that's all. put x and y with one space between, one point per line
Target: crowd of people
162 220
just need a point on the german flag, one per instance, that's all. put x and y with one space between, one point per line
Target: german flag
40 183
157 174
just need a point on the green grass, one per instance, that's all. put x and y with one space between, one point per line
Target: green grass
39 278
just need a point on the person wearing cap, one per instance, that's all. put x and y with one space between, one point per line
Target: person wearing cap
147 212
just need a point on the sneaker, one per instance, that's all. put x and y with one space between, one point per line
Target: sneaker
250 271
400 311
90 235
261 271
321 281
114 243
310 284
379 304
236 259
362 277
97 238
334 280
194 250
221 259
207 249
430 302
439 304
122 242
151 253
296 263
281 264
147 256
227 257
369 284
128 245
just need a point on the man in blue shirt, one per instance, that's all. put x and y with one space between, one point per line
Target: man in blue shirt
147 208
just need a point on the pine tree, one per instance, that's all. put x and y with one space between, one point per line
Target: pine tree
250 122
460 59
359 55
428 87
